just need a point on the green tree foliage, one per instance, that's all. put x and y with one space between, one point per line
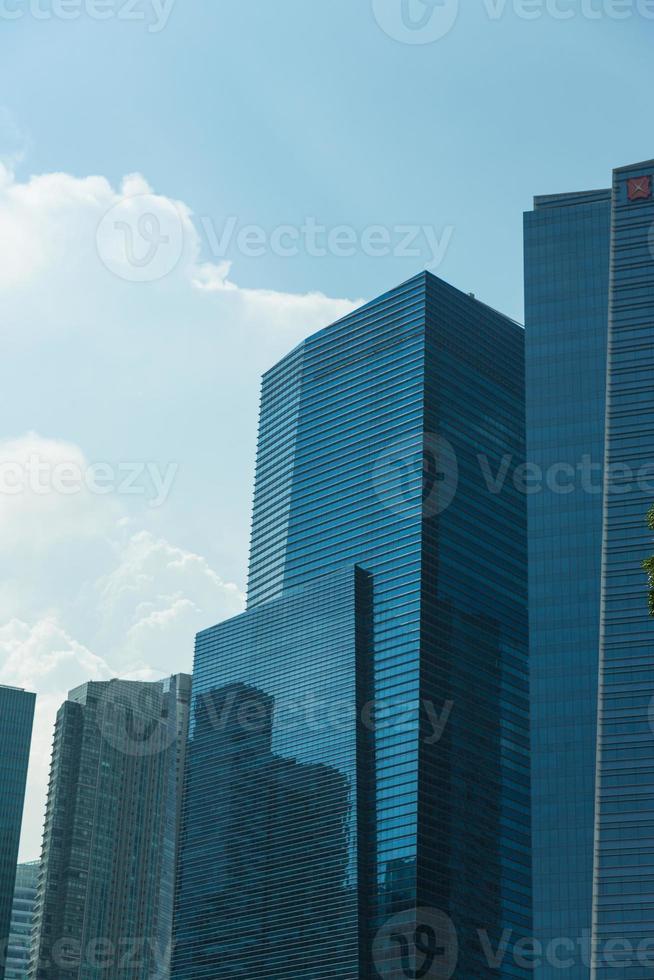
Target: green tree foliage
649 566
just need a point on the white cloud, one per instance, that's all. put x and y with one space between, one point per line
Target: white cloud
33 517
49 539
121 354
143 599
13 140
277 309
61 230
43 658
161 595
213 277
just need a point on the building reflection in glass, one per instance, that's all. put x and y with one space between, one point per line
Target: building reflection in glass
272 876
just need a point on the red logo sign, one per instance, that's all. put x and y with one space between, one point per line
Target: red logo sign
639 188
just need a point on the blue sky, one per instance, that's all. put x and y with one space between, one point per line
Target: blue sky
244 114
274 111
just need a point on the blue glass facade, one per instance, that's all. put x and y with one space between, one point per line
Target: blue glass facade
623 911
16 718
566 300
590 303
22 914
276 861
387 578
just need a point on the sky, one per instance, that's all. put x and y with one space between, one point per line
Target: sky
190 187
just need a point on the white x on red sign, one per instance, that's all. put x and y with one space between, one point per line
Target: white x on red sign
639 188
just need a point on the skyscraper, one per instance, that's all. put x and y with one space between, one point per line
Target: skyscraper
16 718
106 885
590 340
566 318
623 908
358 779
22 913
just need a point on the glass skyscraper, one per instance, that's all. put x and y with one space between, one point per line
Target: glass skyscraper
22 913
623 909
16 718
106 884
566 316
589 274
357 799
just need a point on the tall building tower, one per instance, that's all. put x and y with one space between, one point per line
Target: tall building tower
623 908
566 318
16 719
22 913
590 368
106 884
357 796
